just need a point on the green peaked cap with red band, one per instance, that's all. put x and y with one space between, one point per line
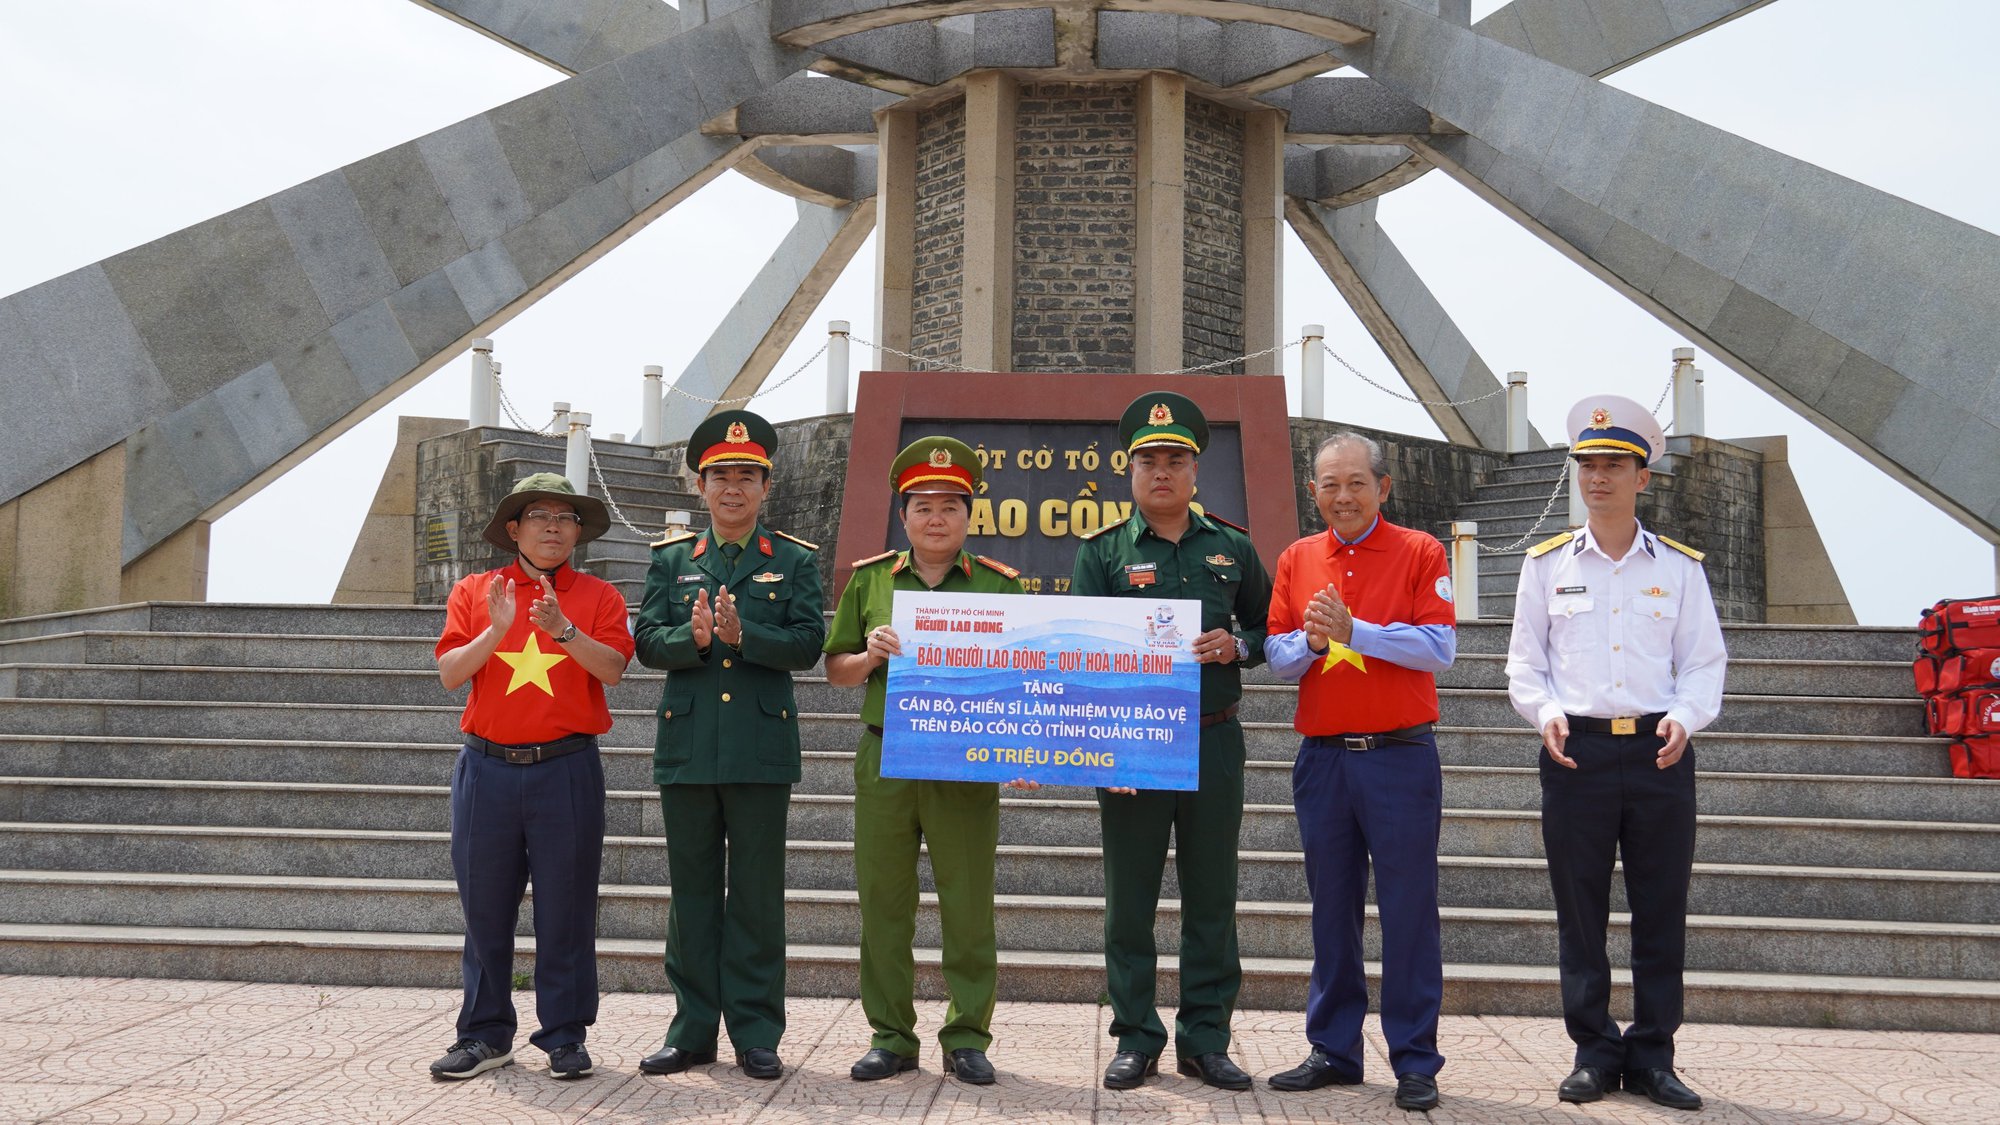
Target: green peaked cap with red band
936 464
731 437
1163 419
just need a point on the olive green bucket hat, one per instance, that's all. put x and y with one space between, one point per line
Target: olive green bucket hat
547 486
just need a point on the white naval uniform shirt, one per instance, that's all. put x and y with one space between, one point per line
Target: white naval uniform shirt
1609 638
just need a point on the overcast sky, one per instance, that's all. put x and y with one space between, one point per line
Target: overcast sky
129 119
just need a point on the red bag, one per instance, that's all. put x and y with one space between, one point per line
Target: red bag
1967 713
1927 675
1957 625
1976 756
1976 669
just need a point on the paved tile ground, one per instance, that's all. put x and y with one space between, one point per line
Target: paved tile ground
185 1052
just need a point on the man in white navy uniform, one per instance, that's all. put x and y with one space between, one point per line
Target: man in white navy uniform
1617 658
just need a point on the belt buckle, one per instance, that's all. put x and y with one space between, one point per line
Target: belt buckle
1624 726
1358 742
523 755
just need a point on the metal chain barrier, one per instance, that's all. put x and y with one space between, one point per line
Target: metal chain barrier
810 360
1356 372
604 491
945 364
507 404
1562 486
1235 359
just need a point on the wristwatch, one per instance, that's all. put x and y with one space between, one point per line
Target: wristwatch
1242 650
569 635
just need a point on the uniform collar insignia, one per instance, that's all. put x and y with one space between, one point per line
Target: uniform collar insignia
1647 541
764 544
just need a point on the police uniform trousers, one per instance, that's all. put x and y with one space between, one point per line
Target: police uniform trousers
726 919
1617 802
1204 826
1384 804
959 823
512 825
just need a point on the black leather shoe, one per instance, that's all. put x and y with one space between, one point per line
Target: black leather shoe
1318 1070
1128 1070
968 1064
1587 1084
880 1063
1215 1069
1416 1091
1661 1086
760 1062
672 1060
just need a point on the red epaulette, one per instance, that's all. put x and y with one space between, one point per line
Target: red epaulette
1004 570
873 559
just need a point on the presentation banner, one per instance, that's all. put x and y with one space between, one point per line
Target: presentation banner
1064 691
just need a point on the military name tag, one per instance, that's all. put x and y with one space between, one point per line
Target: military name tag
687 578
1561 590
1140 574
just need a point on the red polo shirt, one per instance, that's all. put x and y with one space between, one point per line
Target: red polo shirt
530 690
1391 575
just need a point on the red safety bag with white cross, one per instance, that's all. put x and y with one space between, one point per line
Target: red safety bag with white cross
1965 671
1966 713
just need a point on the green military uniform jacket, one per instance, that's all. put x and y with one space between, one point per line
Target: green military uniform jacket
729 717
1214 563
867 601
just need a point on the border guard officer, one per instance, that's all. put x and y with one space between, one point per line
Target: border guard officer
730 613
1169 550
1617 658
959 821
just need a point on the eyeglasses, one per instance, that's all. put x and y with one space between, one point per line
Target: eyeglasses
539 516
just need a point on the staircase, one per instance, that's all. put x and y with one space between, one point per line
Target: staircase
259 792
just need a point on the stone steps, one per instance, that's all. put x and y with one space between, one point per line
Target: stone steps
432 960
1060 925
1479 881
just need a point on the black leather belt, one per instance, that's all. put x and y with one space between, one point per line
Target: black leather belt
1376 741
531 754
874 730
1222 716
1639 725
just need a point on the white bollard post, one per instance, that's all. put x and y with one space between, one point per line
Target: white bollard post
485 399
1517 412
1465 569
649 405
576 462
1578 514
1312 372
1687 393
836 366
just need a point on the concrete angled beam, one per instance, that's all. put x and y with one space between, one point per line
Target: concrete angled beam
1245 57
740 353
931 52
1603 37
1340 175
225 353
1412 327
1347 109
828 175
803 23
806 109
1865 313
571 37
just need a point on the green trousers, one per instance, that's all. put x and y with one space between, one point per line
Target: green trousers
726 920
960 824
1204 826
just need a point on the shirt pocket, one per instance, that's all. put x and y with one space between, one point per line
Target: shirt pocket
1653 621
1572 622
779 709
765 601
675 747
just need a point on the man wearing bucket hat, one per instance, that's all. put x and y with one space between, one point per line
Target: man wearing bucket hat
539 642
1617 658
730 613
958 821
1169 550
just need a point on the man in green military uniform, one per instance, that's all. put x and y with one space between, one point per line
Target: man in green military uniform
936 478
730 613
1169 550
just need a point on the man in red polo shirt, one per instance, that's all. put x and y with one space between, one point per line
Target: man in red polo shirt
539 642
1362 617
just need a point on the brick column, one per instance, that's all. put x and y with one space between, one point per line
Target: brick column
1159 310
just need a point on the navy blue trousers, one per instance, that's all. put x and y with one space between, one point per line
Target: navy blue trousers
1386 805
1617 803
511 824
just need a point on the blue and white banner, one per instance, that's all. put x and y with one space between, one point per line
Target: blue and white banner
1060 690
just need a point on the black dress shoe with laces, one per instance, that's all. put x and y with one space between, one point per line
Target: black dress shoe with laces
968 1064
1660 1085
1128 1070
1215 1069
1587 1084
880 1063
1416 1092
672 1060
1318 1070
760 1062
